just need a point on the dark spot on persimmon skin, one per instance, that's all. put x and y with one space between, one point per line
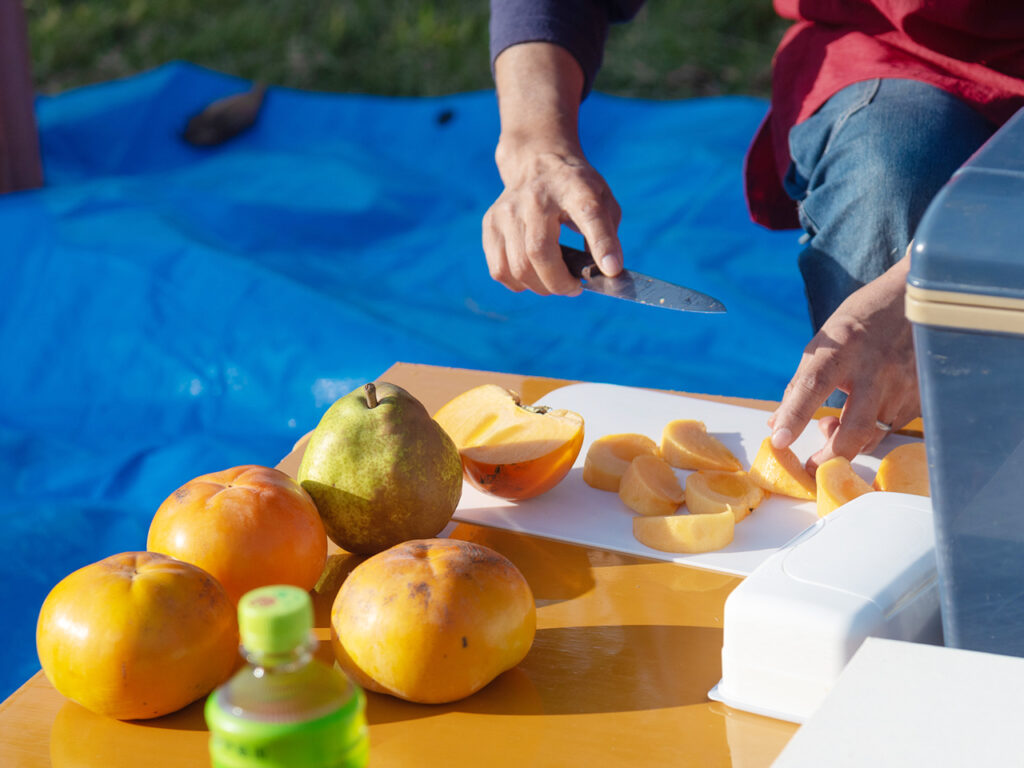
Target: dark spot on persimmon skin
420 590
490 478
416 548
182 493
465 642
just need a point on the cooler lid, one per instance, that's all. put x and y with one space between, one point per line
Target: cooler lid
971 238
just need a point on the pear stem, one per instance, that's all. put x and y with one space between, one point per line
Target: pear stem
371 394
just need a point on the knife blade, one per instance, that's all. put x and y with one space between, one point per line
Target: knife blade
637 287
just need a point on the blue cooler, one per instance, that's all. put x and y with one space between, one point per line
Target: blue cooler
965 299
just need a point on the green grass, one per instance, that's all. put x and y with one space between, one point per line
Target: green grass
673 49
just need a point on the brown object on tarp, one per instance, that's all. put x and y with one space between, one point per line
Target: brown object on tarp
20 165
225 118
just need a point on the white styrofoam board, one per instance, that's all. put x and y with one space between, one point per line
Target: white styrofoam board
574 512
898 704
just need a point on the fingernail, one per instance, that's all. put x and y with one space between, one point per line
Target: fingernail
782 437
610 265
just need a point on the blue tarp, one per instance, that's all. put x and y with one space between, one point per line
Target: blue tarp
169 311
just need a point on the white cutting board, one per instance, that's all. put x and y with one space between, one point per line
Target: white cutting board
574 512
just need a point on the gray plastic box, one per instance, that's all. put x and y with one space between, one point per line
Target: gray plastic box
965 299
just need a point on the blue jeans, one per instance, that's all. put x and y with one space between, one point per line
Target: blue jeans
863 169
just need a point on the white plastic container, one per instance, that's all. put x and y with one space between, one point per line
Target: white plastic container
866 570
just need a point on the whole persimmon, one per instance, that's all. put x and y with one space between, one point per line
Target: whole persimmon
508 449
248 526
137 635
432 620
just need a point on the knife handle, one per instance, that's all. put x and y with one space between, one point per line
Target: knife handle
579 262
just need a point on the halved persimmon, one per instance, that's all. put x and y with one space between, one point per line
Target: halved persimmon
508 449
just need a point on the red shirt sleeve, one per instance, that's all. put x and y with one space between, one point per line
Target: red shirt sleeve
974 50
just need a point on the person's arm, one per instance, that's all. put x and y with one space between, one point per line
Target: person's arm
548 180
866 350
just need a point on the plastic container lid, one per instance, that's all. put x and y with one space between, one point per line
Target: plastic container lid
274 619
867 569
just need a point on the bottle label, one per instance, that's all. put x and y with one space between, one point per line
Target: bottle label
336 740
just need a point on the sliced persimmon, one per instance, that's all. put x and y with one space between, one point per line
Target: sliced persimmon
904 470
686 444
778 470
710 491
838 483
610 455
650 487
688 534
508 449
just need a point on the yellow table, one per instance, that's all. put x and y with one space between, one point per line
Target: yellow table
625 653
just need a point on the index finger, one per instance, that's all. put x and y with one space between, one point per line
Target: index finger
815 379
597 221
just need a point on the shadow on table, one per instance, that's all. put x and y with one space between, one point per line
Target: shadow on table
554 570
588 670
82 739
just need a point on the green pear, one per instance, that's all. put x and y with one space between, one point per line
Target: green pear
380 470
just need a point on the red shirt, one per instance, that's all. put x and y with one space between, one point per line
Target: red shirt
974 50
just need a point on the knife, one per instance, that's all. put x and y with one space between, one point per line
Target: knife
634 286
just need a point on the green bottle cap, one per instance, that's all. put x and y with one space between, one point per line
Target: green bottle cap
275 619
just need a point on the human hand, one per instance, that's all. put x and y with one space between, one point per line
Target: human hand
866 350
544 189
548 180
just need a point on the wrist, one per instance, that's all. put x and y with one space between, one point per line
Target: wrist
538 87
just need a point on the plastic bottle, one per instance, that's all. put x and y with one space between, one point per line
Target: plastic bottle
284 708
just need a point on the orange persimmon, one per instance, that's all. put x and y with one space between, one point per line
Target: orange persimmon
248 526
432 620
508 449
137 635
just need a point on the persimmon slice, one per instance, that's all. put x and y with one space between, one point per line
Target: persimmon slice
508 449
904 470
610 455
779 470
687 534
710 491
686 444
650 487
838 483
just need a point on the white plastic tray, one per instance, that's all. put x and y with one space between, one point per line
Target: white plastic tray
574 512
